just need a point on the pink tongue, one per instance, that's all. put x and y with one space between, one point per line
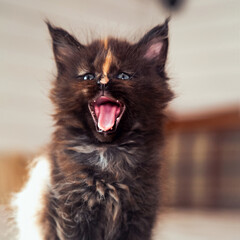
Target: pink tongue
107 116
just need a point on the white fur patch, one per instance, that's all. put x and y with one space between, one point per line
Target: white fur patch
103 160
28 202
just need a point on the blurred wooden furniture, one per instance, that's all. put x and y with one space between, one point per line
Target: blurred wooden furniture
203 156
13 173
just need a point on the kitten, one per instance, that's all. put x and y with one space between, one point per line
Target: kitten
99 180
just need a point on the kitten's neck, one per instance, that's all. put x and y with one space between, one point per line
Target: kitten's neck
119 157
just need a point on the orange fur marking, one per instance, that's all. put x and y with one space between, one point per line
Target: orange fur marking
105 43
106 64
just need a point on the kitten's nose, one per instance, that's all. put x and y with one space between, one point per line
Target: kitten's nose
103 83
104 80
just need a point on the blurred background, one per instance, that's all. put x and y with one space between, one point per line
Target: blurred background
203 131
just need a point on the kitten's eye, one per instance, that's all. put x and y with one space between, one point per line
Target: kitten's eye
88 76
123 76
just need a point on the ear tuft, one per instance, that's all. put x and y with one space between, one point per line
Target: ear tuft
49 25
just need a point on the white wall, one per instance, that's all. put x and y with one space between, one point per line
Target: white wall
205 55
203 61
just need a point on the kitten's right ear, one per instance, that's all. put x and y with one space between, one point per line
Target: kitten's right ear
154 44
65 46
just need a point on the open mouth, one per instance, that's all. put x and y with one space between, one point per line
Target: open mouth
106 113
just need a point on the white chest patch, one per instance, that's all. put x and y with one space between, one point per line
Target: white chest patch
29 202
102 159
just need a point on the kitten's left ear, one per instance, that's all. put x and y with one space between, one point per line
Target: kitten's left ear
65 46
154 44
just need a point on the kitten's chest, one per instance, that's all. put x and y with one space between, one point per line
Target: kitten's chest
96 198
92 205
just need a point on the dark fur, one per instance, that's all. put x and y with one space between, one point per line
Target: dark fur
106 187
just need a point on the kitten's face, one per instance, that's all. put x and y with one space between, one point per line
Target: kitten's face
110 86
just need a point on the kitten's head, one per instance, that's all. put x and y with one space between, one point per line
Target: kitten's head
110 85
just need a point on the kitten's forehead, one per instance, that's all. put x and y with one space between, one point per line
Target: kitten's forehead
105 56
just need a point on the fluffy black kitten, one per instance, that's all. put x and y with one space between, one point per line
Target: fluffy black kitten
104 158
